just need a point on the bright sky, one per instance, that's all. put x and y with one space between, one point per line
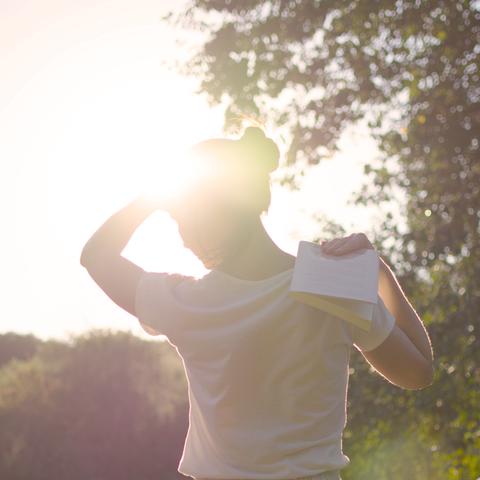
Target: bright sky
86 112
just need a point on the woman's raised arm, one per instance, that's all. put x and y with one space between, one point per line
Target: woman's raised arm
101 255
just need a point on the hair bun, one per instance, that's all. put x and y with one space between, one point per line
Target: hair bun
253 133
260 150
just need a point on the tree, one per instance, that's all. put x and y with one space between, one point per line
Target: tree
108 406
21 347
318 66
410 68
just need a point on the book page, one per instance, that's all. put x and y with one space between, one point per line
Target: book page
357 313
353 276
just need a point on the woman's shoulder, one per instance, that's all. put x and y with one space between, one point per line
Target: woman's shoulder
162 279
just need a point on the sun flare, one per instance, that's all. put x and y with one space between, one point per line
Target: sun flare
175 180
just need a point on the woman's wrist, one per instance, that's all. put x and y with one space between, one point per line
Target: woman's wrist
153 200
147 203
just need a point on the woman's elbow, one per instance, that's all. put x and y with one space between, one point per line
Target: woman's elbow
422 378
86 256
428 377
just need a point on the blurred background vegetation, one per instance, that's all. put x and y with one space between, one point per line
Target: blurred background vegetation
114 406
104 406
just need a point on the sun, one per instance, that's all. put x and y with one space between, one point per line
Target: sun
173 181
122 143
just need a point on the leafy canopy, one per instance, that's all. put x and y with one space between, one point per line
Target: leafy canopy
317 66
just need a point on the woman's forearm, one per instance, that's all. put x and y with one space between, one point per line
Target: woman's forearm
113 236
405 316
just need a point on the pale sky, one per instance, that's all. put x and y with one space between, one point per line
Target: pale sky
87 112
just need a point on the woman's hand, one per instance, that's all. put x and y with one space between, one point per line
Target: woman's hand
153 200
341 246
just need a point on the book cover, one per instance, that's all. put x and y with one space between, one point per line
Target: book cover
345 286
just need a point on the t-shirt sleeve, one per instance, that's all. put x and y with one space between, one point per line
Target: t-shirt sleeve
382 325
155 300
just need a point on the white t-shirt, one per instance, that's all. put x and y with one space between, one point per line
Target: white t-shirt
267 375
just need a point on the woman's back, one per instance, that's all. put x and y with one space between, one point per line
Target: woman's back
267 375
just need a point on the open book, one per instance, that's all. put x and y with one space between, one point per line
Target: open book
345 286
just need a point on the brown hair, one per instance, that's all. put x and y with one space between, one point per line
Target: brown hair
237 180
239 169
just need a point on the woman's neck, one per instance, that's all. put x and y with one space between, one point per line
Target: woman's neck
261 258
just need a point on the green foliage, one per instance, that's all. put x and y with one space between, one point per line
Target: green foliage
317 66
108 406
410 68
13 345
